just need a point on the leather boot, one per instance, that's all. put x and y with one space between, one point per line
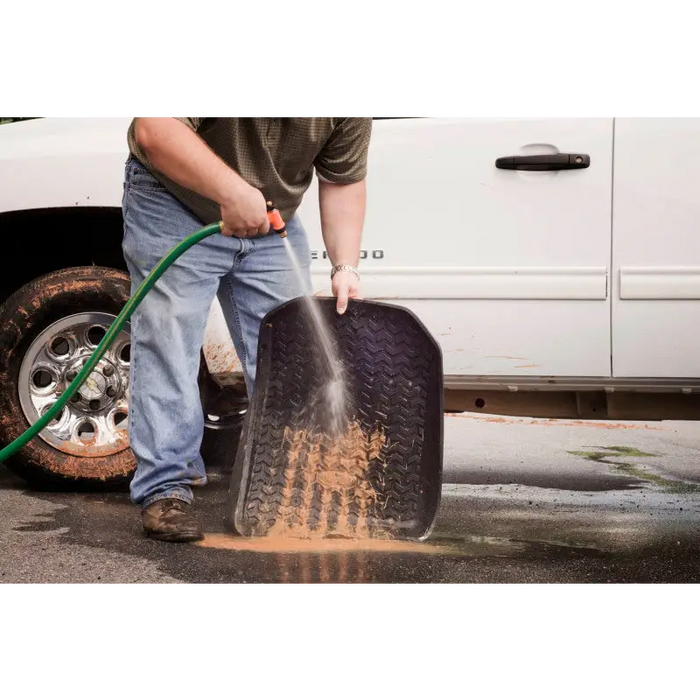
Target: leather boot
171 520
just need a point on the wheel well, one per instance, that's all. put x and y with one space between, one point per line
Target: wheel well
46 240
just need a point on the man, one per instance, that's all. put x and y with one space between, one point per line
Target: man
187 172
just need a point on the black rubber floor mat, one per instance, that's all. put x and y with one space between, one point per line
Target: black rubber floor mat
381 475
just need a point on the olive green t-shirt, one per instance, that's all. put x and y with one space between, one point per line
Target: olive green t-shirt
278 156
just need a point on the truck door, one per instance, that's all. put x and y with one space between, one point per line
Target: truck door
656 250
507 268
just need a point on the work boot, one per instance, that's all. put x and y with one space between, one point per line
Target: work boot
171 520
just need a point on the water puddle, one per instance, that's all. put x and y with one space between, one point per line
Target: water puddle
458 547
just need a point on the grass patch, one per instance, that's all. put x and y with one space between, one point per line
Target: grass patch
605 455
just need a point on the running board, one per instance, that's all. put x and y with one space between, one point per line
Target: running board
606 384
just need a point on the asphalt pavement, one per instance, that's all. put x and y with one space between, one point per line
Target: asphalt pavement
524 501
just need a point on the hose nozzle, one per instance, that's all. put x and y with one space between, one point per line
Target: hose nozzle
276 220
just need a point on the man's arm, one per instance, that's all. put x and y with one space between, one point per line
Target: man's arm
342 219
342 170
175 150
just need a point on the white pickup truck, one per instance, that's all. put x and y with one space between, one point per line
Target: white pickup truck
557 262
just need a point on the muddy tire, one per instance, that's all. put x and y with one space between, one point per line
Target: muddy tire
47 329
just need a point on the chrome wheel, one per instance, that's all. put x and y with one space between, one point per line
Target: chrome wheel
94 421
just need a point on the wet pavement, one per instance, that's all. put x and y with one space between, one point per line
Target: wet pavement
524 501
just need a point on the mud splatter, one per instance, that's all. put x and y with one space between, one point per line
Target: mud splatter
222 358
327 490
290 545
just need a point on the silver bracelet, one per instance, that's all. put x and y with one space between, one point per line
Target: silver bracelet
344 268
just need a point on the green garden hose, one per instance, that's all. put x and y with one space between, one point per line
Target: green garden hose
109 338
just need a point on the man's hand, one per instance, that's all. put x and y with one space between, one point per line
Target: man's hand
245 213
346 285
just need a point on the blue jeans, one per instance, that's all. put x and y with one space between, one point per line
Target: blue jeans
250 276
